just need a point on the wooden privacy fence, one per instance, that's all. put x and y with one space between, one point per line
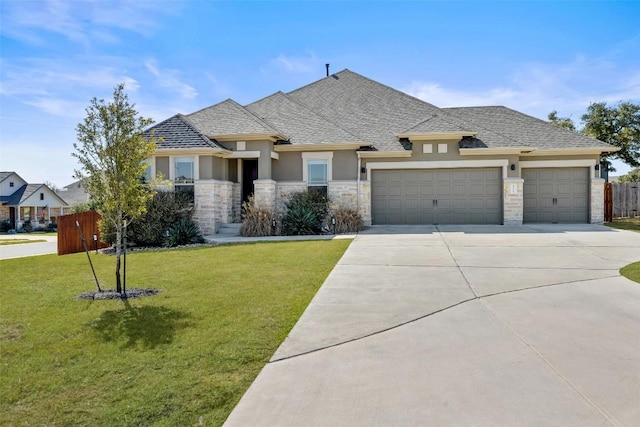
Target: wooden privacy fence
69 241
623 200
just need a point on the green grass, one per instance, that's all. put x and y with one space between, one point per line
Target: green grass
632 271
632 224
189 352
5 242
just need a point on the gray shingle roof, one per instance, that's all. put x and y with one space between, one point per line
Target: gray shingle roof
5 175
302 125
229 118
520 130
177 132
373 112
22 193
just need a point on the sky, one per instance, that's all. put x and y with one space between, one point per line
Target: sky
181 56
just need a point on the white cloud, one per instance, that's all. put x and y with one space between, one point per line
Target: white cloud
299 64
171 79
81 22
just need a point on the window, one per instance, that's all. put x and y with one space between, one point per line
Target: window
147 171
317 171
10 184
184 176
184 171
41 196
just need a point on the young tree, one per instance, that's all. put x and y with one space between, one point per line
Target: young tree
112 150
618 125
632 176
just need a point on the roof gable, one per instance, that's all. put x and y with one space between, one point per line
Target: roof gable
177 132
230 118
370 110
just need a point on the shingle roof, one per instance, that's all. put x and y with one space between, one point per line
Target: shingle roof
5 175
518 129
22 193
370 110
177 132
302 125
229 118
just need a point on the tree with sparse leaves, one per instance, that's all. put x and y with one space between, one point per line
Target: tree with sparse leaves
563 122
618 125
112 150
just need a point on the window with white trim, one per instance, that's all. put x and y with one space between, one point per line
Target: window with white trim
317 170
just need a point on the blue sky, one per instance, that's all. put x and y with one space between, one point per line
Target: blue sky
180 56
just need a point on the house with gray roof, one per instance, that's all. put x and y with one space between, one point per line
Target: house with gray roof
21 202
393 157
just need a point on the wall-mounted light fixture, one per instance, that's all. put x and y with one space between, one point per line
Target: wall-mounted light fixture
363 169
597 166
513 167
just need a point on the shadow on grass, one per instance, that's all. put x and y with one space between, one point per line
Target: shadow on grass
147 326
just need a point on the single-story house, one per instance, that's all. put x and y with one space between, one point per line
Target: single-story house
393 157
21 202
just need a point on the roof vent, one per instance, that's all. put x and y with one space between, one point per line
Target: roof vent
327 66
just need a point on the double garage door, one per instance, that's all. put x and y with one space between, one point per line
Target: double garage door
556 195
437 196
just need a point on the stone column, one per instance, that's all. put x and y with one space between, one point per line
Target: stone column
213 202
365 202
513 201
265 193
597 201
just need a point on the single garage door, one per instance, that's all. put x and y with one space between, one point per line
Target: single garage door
436 196
556 195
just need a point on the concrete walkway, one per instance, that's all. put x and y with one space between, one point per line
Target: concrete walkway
463 325
23 250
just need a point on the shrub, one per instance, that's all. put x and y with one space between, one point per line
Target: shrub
5 226
300 220
165 209
305 213
80 207
52 227
347 220
184 232
257 222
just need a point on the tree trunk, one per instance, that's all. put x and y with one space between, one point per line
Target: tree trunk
118 251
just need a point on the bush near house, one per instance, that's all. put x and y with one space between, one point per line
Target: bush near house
305 213
164 210
258 222
347 220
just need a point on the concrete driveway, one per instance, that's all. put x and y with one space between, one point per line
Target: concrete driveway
451 325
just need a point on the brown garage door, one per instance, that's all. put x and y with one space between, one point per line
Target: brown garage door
437 196
556 195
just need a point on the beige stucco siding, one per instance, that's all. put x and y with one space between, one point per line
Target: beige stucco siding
212 167
345 165
288 167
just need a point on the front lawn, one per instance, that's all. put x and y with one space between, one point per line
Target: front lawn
632 224
632 271
182 357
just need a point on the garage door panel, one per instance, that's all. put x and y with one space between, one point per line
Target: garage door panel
556 195
464 196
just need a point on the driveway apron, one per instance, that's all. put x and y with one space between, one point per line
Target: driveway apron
463 325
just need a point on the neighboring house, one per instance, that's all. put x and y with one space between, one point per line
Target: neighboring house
393 157
74 193
22 202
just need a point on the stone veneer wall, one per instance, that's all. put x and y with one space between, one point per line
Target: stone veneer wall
264 191
597 201
344 194
513 201
5 214
237 202
213 201
284 190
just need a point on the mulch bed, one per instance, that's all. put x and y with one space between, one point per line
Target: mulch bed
112 294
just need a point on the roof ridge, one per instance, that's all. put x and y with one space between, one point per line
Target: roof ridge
487 129
187 122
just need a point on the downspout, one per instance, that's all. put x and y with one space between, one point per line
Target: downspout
358 184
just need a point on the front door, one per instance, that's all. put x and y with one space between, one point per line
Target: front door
12 217
249 174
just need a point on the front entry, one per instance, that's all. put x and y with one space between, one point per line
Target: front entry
249 174
12 217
